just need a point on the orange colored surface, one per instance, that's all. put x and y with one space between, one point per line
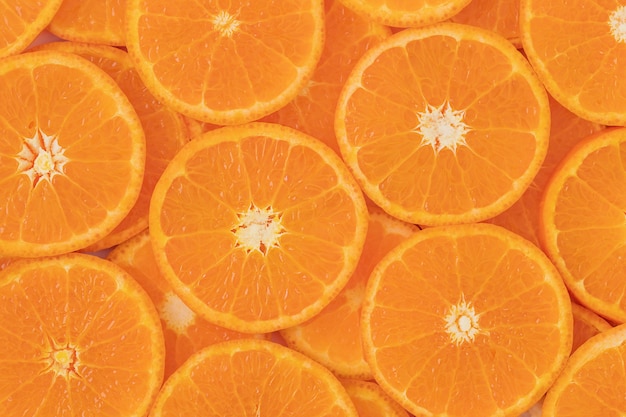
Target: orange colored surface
22 22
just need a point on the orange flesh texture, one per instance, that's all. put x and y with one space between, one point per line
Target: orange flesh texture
506 110
92 21
586 325
348 36
252 378
105 149
333 336
525 326
241 77
576 56
583 224
260 166
22 21
182 337
88 306
371 401
500 16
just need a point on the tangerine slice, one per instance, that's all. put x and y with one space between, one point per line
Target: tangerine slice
371 401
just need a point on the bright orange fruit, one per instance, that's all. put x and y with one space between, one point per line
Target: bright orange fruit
500 16
225 62
586 325
252 378
443 124
257 227
371 401
466 320
79 336
72 154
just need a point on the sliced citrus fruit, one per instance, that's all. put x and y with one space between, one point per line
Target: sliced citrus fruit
225 62
185 332
406 13
586 325
257 227
348 36
594 381
583 223
576 48
72 154
4 262
91 21
443 124
165 131
333 337
252 378
79 335
500 16
22 22
371 401
466 320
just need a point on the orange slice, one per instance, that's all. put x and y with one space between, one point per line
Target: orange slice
577 48
332 337
164 130
406 13
257 227
78 336
586 325
72 154
92 21
22 22
466 320
582 222
593 382
185 332
371 401
225 62
443 124
252 378
500 16
348 36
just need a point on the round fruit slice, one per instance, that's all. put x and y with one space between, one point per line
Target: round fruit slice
576 48
165 131
252 378
466 320
371 401
185 333
257 227
582 222
443 124
593 382
78 336
22 22
72 154
225 62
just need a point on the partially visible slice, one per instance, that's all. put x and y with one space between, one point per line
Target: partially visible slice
371 401
586 325
500 16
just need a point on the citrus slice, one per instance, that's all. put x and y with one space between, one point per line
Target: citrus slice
586 325
225 62
443 124
333 337
582 222
257 227
164 130
466 320
72 154
91 21
22 22
78 336
185 332
371 401
500 16
348 36
576 47
593 382
406 13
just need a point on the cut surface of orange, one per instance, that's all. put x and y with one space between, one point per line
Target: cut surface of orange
91 21
582 222
252 378
22 22
257 227
333 336
165 130
466 320
225 62
500 16
371 401
406 13
72 154
185 333
348 36
594 380
577 49
79 336
443 124
586 325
